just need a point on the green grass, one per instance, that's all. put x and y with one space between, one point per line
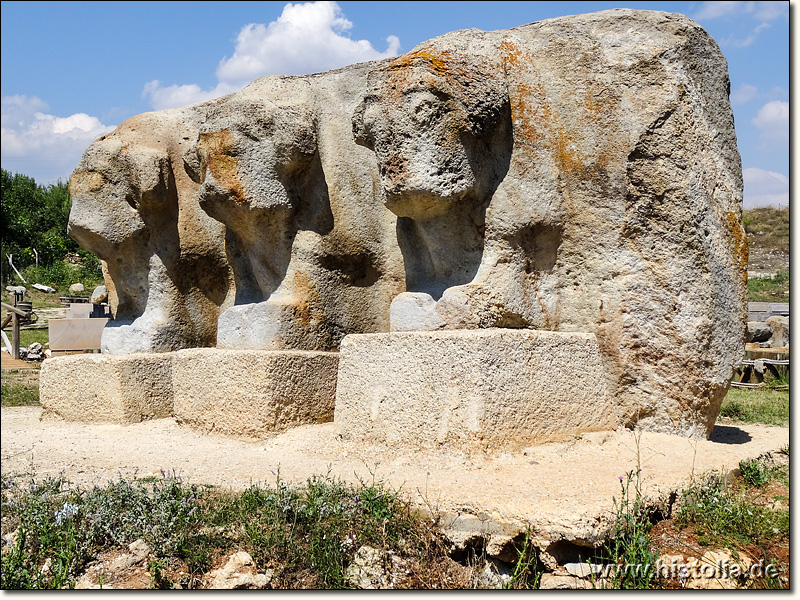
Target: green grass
724 516
29 336
767 227
19 388
769 290
764 405
60 275
309 532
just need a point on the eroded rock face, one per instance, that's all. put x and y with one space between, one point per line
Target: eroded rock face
577 174
243 222
313 254
135 207
618 211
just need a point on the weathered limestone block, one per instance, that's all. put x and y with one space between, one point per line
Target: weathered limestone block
258 198
577 174
135 207
312 259
780 331
496 387
106 388
574 174
252 393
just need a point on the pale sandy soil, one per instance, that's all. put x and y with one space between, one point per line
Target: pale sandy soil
561 490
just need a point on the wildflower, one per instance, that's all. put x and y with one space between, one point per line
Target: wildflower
66 513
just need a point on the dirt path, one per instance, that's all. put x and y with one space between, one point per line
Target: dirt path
563 491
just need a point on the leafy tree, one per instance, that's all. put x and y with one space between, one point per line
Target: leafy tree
32 217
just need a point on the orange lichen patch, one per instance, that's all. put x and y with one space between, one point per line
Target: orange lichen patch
461 78
113 296
217 152
738 238
306 310
537 126
441 62
83 182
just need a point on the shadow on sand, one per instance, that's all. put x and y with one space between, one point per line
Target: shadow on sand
725 434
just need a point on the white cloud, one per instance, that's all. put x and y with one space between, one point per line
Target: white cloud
743 94
770 10
763 11
772 122
764 188
748 41
306 38
48 146
172 96
714 10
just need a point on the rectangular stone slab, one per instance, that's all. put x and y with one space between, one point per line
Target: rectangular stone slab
253 393
75 334
79 310
106 388
492 387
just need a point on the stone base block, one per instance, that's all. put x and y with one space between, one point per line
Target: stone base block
102 388
253 393
493 387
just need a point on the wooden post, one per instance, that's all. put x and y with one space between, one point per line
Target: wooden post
15 334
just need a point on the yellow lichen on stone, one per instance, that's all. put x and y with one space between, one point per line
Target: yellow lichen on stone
218 154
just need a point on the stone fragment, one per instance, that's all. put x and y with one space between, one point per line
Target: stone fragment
238 573
758 331
106 388
495 575
491 387
411 311
557 581
35 352
716 570
99 294
76 288
780 331
582 569
374 569
253 393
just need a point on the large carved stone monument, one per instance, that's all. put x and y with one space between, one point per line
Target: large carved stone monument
565 194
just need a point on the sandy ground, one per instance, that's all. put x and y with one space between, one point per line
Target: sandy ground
561 490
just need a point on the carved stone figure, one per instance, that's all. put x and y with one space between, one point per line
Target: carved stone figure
618 211
135 207
574 175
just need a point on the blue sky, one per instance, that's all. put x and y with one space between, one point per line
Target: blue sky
72 71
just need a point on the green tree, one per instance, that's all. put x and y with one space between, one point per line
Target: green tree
35 217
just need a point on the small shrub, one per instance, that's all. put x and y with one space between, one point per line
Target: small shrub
754 472
629 548
727 517
60 528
